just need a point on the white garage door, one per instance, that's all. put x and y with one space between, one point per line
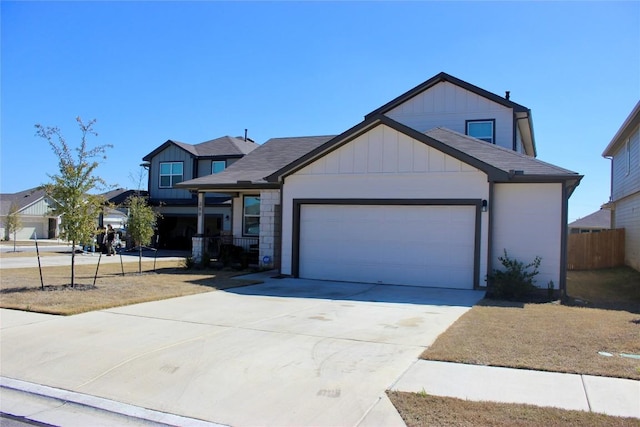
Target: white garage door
405 245
32 229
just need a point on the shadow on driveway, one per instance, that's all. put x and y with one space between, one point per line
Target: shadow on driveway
366 292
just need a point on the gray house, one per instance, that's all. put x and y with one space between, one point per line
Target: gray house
174 162
624 152
428 190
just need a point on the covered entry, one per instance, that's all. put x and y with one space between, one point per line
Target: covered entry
432 243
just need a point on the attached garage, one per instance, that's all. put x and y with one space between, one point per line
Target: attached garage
416 243
385 204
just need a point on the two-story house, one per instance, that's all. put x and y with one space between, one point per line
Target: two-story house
624 152
428 190
174 162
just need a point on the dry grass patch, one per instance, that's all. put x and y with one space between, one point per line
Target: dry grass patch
551 337
547 337
617 288
425 410
20 288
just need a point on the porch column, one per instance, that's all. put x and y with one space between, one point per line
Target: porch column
198 241
200 230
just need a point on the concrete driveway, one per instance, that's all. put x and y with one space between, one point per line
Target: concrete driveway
287 352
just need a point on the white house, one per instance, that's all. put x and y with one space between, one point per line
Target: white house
428 190
624 152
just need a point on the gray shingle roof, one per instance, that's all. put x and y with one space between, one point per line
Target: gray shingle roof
22 199
223 146
119 195
261 162
599 219
279 157
493 155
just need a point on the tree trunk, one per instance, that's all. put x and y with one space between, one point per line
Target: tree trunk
14 241
73 263
139 259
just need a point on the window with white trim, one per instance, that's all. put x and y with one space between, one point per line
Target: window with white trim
218 166
251 216
481 129
171 173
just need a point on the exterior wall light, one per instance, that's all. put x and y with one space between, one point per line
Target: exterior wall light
484 205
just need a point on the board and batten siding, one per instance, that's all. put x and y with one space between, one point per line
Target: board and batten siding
170 154
626 168
382 164
447 105
627 216
38 209
527 222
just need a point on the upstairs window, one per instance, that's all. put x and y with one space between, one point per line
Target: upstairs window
251 216
170 174
218 166
482 129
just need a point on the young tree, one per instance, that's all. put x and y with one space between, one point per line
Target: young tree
13 223
71 186
141 222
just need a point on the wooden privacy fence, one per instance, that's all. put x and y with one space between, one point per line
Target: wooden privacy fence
589 251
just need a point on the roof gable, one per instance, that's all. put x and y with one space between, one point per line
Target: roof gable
500 164
222 147
444 77
22 199
182 145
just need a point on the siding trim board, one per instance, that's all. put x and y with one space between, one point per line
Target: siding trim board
298 203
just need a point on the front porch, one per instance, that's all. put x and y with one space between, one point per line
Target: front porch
254 236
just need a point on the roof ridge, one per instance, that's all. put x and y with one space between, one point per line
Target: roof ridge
305 136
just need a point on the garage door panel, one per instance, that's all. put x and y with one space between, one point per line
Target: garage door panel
412 245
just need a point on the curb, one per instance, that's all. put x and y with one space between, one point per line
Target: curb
103 405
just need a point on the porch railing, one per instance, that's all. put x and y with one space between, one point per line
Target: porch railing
233 247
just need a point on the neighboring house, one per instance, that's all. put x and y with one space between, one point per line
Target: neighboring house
34 209
624 152
592 223
174 162
427 191
115 211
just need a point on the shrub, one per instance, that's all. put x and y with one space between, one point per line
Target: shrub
189 263
516 281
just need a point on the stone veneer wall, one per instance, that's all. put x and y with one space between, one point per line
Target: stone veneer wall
197 244
269 228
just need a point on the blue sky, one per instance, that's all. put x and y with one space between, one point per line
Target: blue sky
152 71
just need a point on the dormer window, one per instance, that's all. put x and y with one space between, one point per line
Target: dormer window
170 174
482 129
218 166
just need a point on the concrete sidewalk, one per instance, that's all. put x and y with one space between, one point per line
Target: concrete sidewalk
611 396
